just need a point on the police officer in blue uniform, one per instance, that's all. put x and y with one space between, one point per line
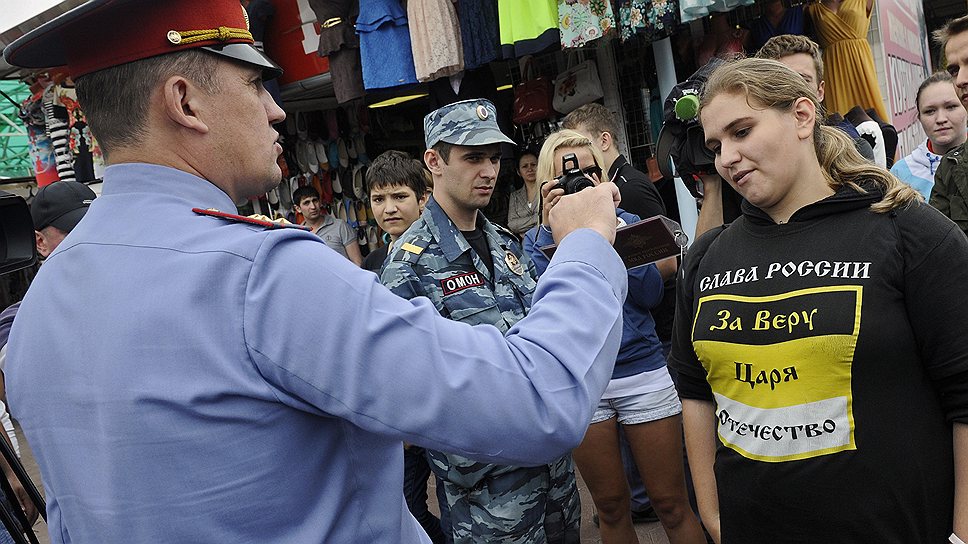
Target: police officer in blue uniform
181 399
476 272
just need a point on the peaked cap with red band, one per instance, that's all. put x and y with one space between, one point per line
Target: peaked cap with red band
104 33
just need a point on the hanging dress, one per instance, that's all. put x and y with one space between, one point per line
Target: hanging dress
651 19
762 30
478 32
697 9
385 44
582 22
527 26
847 57
435 37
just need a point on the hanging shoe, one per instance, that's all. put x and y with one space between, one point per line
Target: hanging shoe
359 189
311 158
341 210
337 185
301 157
320 148
344 158
360 145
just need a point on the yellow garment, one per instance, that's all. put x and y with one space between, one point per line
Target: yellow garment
848 61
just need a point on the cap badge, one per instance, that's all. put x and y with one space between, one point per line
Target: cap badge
245 15
513 263
481 112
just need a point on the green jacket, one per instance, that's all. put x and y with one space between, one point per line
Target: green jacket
950 193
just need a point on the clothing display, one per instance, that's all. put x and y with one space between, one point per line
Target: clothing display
338 41
211 401
88 159
847 57
690 10
527 26
651 19
59 131
260 13
950 192
918 168
435 37
791 21
385 44
582 22
41 149
479 32
806 336
507 503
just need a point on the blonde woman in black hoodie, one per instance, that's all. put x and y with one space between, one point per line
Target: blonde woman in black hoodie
819 340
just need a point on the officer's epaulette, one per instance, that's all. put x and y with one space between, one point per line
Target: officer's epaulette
258 221
409 252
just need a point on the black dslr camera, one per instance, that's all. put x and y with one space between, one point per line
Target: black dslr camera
572 178
17 248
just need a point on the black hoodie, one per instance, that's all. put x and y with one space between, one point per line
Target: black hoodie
837 359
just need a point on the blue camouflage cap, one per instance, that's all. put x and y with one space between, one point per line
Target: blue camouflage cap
468 122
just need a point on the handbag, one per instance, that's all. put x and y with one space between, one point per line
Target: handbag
576 86
532 97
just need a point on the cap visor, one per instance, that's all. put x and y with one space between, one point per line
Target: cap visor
486 136
247 54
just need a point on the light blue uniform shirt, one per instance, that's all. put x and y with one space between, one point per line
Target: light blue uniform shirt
174 390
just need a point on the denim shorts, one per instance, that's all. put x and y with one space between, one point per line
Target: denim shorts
643 408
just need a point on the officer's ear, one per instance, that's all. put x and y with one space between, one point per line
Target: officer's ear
182 101
433 160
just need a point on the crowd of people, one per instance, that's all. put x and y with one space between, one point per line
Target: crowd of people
815 372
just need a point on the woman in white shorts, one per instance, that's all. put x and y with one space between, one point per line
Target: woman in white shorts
641 396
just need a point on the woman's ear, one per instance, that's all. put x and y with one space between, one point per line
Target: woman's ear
805 114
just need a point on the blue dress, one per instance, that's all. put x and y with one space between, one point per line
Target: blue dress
792 23
478 32
385 44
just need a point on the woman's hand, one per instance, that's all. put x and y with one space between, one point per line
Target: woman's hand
550 193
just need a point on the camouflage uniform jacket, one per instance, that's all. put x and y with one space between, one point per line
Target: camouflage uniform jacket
487 502
950 192
432 259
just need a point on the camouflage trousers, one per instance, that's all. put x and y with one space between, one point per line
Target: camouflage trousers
528 505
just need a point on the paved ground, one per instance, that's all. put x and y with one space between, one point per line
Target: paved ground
649 533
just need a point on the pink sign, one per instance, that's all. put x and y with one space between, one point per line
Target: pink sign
906 64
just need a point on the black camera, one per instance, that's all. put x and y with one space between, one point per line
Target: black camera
572 178
17 248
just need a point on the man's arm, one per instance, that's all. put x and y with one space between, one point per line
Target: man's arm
699 423
353 252
406 373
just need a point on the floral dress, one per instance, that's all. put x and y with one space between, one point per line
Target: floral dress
652 19
582 21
